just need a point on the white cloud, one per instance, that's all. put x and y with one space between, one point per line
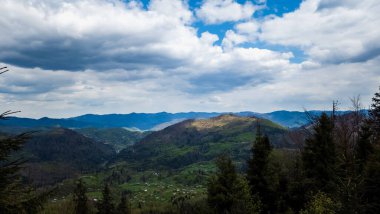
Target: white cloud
127 58
75 35
251 27
231 39
219 11
176 9
310 88
209 38
329 31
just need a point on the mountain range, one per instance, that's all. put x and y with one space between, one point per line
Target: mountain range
151 121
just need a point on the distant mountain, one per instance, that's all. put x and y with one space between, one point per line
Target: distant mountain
289 119
193 141
118 138
151 121
60 153
142 121
43 122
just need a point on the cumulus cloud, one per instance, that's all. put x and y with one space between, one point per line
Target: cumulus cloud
329 31
175 9
219 11
107 56
77 35
232 39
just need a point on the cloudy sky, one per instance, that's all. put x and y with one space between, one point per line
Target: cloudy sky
71 57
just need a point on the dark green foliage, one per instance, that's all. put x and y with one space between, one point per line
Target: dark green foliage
374 115
244 203
296 188
227 192
118 176
181 203
364 147
321 204
257 172
124 205
118 138
371 184
106 205
73 152
220 187
15 196
371 187
319 156
80 198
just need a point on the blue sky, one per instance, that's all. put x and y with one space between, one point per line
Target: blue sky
73 57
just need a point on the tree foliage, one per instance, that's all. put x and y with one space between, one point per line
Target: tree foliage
319 156
321 204
80 198
227 191
371 184
15 195
257 172
124 206
106 205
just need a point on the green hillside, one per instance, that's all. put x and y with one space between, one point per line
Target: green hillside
178 159
193 141
118 138
57 154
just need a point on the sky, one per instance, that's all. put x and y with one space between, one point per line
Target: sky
72 57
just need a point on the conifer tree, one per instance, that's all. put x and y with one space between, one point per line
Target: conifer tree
220 186
374 115
319 156
371 186
124 207
106 205
227 192
15 196
257 170
364 147
80 198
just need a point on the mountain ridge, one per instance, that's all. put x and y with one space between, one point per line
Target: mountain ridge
154 121
193 141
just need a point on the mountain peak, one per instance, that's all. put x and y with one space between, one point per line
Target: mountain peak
220 121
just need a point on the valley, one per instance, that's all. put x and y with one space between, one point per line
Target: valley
151 166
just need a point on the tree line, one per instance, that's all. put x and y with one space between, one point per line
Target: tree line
336 169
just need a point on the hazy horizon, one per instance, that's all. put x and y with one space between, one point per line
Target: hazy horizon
18 114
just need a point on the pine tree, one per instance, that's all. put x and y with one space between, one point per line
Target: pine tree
80 198
106 206
243 202
124 207
319 156
257 170
371 184
10 185
15 196
220 186
364 147
227 192
374 115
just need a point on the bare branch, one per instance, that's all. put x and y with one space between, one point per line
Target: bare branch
4 115
4 71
